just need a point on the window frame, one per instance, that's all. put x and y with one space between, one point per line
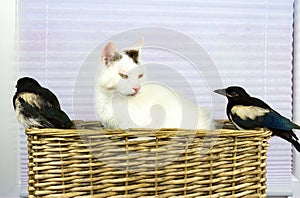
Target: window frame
9 140
296 96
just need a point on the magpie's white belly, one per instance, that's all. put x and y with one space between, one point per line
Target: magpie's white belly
24 120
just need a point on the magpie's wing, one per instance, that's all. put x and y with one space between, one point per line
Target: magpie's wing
33 112
39 109
250 117
247 117
48 97
56 117
274 120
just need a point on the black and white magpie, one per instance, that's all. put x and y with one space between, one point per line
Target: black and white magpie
36 106
247 112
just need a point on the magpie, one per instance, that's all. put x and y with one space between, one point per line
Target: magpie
247 112
36 106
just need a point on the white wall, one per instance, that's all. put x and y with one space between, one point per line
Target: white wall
8 133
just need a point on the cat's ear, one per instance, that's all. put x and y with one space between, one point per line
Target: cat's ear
109 52
139 44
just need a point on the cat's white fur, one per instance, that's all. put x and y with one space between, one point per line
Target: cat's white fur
129 102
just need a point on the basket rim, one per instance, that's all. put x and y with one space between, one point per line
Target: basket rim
263 132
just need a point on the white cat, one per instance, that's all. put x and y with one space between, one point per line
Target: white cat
124 100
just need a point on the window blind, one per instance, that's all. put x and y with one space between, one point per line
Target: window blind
247 43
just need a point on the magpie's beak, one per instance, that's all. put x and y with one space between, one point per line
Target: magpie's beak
220 91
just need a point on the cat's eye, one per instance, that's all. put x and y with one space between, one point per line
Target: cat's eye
141 75
123 75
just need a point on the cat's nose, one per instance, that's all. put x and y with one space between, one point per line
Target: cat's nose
136 89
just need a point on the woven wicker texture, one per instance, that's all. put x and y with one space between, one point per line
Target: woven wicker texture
92 162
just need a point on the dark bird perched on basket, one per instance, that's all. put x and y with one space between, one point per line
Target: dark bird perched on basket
37 106
247 112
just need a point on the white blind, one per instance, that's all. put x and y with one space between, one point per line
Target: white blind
233 42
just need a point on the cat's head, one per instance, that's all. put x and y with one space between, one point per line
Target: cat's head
122 72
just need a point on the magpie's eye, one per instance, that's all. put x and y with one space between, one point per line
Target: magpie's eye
123 75
234 94
141 75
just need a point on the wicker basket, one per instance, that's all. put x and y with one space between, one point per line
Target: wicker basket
92 162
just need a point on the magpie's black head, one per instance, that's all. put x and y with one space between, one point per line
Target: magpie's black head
233 93
27 83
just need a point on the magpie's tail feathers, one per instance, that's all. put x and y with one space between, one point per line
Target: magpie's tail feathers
294 135
296 126
296 145
294 141
289 136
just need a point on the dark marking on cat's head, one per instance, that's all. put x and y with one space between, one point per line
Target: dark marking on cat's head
114 58
134 54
